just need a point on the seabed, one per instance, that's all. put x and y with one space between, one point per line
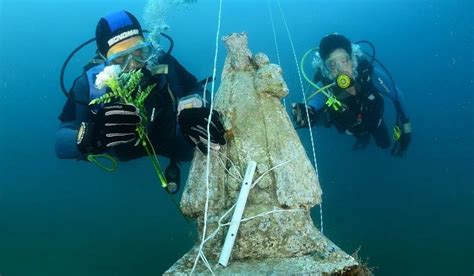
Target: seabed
333 262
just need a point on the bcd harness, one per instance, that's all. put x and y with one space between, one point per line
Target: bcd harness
361 113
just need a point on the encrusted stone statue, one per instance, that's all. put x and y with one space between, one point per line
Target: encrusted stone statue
277 234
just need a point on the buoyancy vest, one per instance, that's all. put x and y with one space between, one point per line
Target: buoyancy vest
362 112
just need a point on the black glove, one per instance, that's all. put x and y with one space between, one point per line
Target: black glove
193 125
401 144
300 117
112 125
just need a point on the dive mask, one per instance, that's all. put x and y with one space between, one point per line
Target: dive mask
140 53
338 63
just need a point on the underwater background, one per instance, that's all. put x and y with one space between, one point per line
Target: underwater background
409 216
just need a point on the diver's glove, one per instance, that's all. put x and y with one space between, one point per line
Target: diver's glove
193 125
402 137
112 125
299 114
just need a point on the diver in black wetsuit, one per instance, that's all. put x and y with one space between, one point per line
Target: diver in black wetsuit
361 111
91 129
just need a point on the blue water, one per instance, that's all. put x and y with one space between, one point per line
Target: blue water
410 216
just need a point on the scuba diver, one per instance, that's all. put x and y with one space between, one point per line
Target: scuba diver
351 96
112 128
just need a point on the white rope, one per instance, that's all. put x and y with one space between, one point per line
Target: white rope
228 172
208 159
204 93
306 106
260 177
276 42
233 166
220 224
274 32
270 212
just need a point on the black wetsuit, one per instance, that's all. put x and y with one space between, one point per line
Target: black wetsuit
362 113
161 104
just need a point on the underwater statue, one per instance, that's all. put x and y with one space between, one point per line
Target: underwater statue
276 234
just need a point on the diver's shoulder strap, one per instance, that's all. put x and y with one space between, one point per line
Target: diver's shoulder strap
365 79
364 70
